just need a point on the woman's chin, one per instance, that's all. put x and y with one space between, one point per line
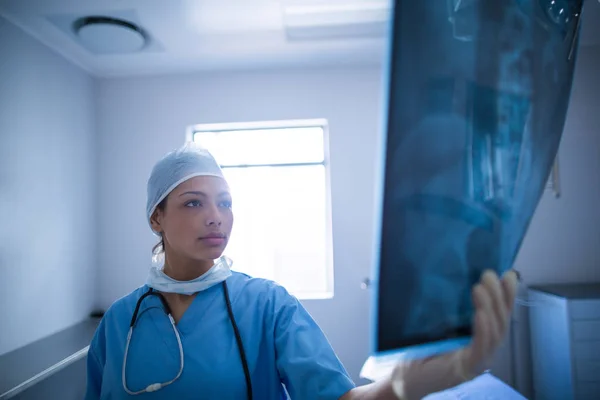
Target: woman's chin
210 255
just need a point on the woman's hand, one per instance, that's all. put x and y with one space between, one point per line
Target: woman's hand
493 299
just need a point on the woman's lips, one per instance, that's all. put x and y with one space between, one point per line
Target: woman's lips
214 240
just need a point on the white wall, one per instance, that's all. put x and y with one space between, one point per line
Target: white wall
563 240
140 119
47 181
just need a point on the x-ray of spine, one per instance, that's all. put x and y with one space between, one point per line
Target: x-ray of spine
478 94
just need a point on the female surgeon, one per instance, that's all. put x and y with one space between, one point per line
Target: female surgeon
197 330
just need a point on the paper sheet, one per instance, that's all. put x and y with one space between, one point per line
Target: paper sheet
484 387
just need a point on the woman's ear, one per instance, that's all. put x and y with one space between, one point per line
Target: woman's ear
155 221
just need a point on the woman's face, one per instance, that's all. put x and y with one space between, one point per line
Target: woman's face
197 219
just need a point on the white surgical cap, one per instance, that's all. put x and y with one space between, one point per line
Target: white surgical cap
175 168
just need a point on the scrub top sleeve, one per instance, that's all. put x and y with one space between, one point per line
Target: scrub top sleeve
306 362
95 364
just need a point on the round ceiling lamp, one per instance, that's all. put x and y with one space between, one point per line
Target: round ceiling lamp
109 35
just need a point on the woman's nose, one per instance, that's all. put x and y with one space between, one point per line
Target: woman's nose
213 218
213 222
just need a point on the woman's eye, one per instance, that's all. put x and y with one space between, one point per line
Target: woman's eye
193 203
226 204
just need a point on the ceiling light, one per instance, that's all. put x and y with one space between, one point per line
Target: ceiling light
337 14
105 35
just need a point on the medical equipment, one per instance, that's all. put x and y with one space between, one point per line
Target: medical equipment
477 94
219 272
157 386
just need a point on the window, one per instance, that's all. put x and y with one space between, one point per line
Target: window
278 176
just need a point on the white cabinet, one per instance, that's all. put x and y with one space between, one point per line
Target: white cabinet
565 341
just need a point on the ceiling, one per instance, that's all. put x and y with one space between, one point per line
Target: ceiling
192 35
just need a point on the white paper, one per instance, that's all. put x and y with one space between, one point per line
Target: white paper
484 387
377 368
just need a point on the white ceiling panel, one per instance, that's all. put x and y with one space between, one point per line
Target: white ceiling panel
192 35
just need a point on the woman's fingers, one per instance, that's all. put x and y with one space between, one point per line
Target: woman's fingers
481 336
486 306
493 299
509 286
499 313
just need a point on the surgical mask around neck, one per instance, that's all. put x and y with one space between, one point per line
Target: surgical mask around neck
158 280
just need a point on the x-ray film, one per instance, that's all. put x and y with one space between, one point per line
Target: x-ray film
476 94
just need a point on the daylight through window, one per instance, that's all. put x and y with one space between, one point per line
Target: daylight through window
278 176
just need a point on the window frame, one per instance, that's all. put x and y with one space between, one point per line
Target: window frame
289 124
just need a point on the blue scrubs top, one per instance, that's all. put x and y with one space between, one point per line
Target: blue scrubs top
283 345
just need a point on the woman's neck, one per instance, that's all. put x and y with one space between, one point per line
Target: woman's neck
185 270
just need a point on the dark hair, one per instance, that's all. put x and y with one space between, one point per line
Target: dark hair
160 246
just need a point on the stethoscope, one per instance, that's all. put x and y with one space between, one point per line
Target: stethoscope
157 386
